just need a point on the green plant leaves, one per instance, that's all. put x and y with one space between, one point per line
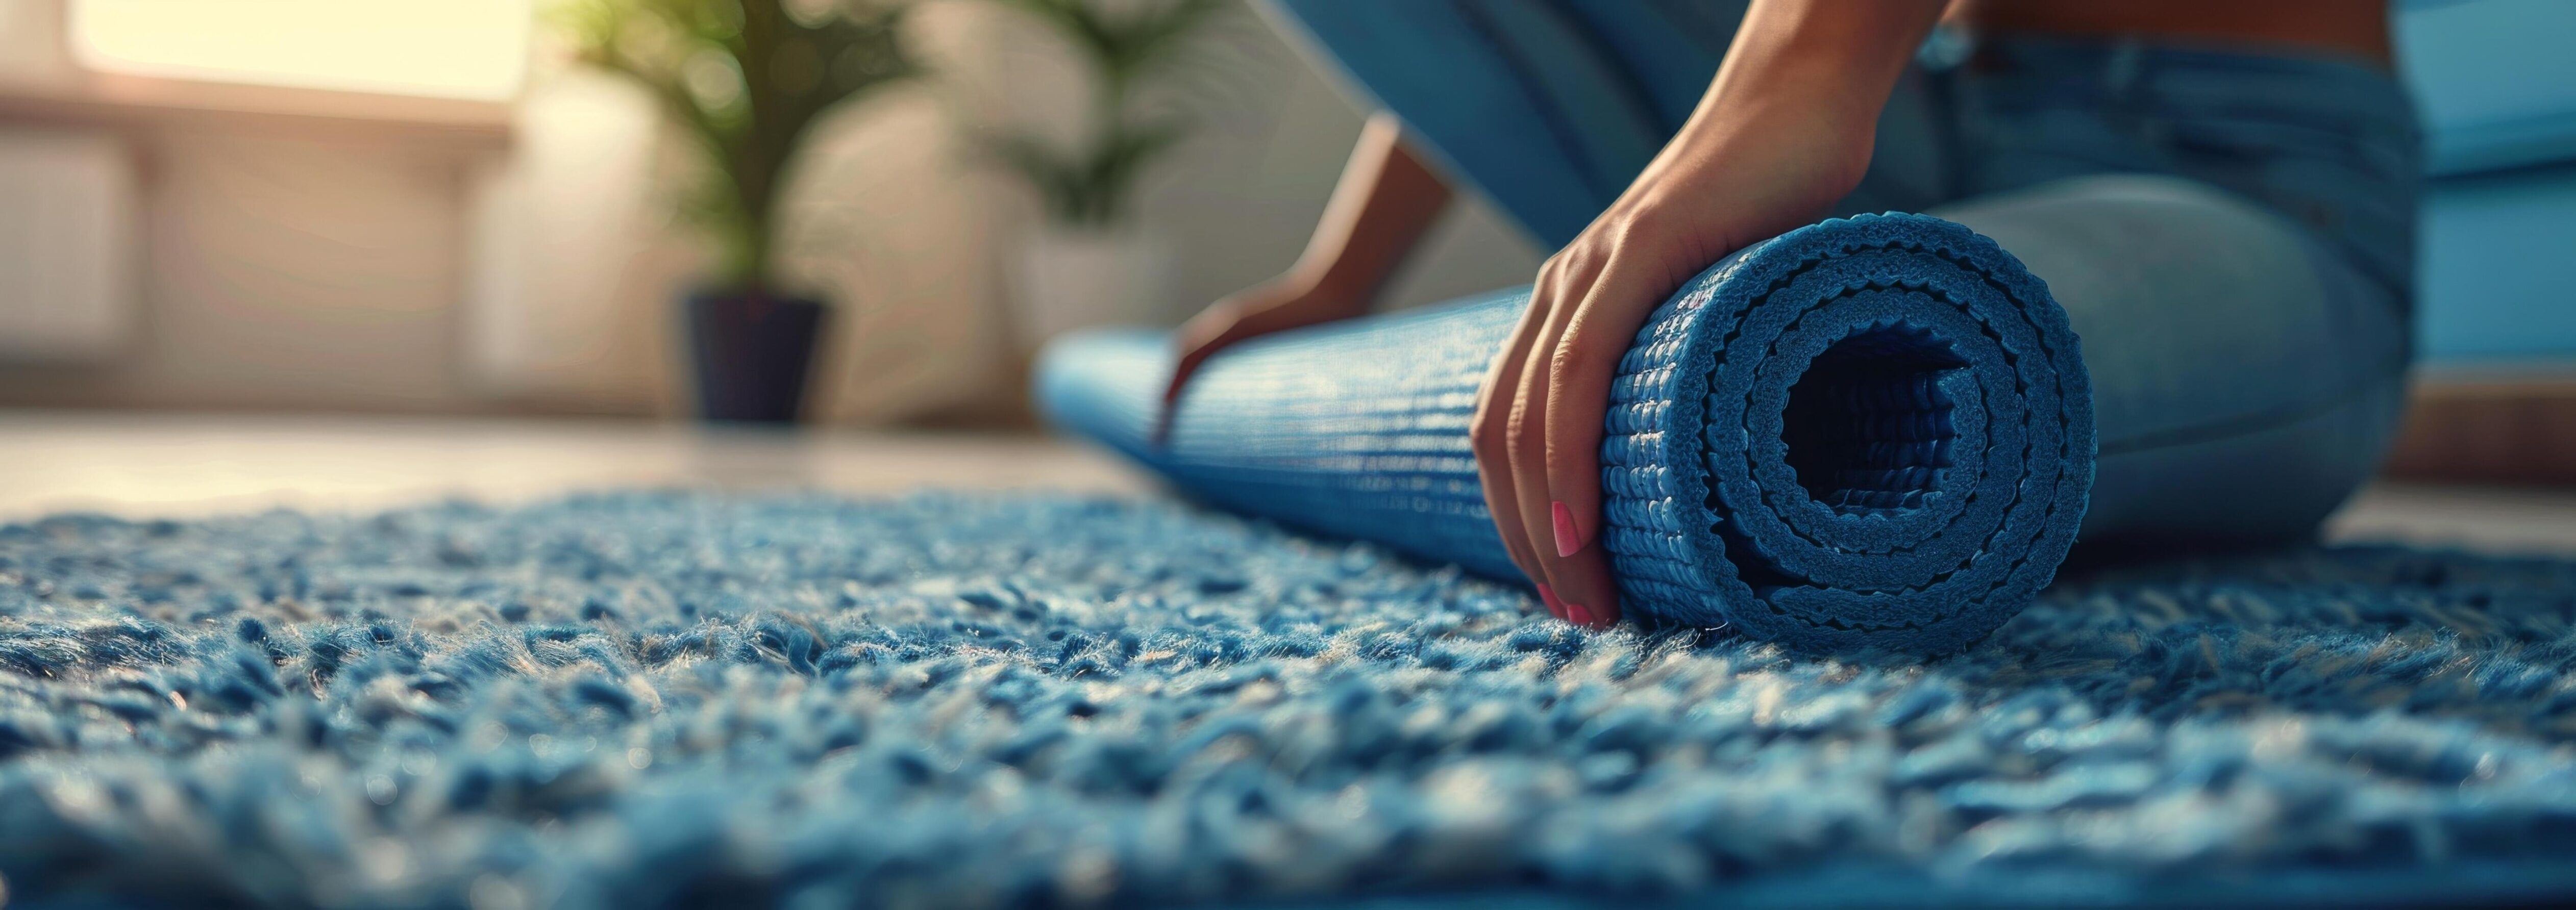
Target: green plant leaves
1092 185
747 79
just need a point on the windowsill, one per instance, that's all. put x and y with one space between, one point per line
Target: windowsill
120 100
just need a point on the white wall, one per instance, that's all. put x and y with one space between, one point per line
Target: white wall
68 245
334 271
1239 199
31 50
281 272
279 266
911 237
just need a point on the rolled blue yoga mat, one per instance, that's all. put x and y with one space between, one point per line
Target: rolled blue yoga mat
1873 431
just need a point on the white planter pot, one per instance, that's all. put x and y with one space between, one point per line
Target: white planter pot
1067 280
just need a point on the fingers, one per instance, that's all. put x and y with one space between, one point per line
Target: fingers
1260 311
1202 337
1538 426
1509 438
1181 370
1488 433
1221 326
1193 348
1526 447
1582 363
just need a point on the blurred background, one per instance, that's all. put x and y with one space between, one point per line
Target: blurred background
433 206
343 251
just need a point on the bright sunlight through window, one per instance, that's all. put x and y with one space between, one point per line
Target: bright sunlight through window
445 48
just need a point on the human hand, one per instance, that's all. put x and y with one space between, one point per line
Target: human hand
1288 302
1385 200
1784 131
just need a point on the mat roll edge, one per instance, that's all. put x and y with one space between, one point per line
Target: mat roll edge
1868 432
1958 358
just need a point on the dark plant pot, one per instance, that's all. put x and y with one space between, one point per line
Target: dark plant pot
751 351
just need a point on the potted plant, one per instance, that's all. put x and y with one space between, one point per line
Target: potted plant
746 80
1087 263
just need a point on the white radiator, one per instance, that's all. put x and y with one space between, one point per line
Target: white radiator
67 245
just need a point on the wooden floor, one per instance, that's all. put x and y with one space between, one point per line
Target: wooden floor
182 466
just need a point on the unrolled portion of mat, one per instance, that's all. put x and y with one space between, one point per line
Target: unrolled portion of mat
1873 431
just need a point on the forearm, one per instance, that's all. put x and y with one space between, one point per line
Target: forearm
1819 67
1386 200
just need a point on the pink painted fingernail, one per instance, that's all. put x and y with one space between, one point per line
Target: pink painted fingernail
1548 596
1580 614
1568 539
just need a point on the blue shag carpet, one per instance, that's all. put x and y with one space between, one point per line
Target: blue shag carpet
653 699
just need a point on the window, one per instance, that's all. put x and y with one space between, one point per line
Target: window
474 49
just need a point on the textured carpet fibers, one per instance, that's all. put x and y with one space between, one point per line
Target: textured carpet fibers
646 699
1866 432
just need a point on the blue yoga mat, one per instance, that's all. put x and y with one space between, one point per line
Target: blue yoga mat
1869 432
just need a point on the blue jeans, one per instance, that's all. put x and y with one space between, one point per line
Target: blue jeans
2232 233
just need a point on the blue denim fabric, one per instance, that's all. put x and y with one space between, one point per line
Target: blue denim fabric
2231 232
